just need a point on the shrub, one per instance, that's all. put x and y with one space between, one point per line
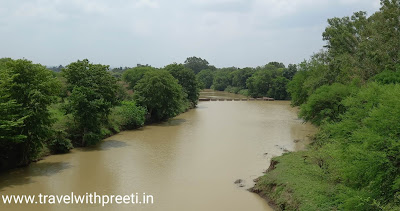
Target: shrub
131 115
244 92
60 144
325 104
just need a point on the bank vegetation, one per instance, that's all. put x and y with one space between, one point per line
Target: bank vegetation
351 90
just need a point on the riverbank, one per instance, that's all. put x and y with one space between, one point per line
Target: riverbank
294 181
178 161
352 164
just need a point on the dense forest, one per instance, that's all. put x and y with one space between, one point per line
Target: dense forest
351 91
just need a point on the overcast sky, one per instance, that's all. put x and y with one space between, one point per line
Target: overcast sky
158 32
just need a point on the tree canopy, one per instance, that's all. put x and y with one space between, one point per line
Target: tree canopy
160 93
187 79
93 94
133 75
27 90
196 64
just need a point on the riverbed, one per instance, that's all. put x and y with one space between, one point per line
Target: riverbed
188 163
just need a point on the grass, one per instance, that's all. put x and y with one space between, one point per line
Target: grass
295 181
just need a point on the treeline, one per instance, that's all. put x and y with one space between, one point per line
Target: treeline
351 90
44 112
264 81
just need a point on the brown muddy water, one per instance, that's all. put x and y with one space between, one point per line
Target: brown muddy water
188 163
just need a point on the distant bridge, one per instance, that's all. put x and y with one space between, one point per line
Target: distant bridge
237 99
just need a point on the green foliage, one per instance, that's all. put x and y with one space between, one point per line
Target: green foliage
240 76
244 92
187 79
59 143
276 64
196 64
160 93
222 80
132 76
388 77
354 166
296 182
312 74
260 83
131 116
278 88
352 90
27 90
205 78
325 104
93 94
10 122
290 71
232 89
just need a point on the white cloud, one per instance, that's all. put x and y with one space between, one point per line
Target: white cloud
127 32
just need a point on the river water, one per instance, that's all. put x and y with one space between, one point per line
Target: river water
188 163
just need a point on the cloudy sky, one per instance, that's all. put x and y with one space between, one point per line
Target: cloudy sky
158 32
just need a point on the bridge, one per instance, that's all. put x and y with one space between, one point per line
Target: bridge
237 99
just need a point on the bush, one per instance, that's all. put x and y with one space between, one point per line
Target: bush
60 144
131 116
232 89
244 92
325 104
92 138
388 77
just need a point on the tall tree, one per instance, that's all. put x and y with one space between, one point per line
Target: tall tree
187 80
160 93
260 83
240 76
133 75
93 94
205 78
196 64
27 91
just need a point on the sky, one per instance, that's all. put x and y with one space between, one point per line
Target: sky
241 33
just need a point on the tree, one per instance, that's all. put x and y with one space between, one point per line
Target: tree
93 94
278 88
205 78
296 88
222 79
196 64
11 122
130 115
132 76
240 76
160 93
290 71
187 80
277 64
260 83
325 104
27 90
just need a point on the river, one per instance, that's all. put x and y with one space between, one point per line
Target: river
188 163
